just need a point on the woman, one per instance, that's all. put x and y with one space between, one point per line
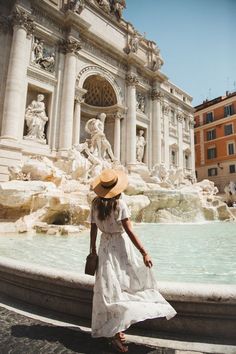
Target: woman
125 290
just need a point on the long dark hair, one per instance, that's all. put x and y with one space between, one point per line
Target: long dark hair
105 206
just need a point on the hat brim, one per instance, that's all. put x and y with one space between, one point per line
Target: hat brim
120 186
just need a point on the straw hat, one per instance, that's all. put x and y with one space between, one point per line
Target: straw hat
110 183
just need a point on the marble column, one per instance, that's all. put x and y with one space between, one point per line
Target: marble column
23 26
117 117
192 147
166 136
156 126
180 140
77 117
72 46
132 81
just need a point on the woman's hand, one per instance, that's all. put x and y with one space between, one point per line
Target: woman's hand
147 260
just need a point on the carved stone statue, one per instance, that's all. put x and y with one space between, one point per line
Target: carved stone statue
118 7
105 5
140 144
99 143
76 5
37 51
36 118
134 43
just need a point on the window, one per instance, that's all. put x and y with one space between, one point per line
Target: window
195 139
232 169
209 117
212 171
211 134
211 153
173 157
230 148
187 161
228 129
228 110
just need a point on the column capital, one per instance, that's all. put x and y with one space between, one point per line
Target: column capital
191 122
79 95
166 108
118 116
132 80
156 95
23 19
180 117
71 45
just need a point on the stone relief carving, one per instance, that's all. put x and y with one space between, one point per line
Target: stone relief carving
43 56
36 118
140 144
99 144
140 102
23 19
76 6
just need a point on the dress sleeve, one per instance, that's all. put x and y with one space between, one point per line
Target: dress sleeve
124 212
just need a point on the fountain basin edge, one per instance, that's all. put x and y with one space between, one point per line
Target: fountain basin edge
204 310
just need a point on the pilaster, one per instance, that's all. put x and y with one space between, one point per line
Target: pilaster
131 81
156 126
71 47
23 26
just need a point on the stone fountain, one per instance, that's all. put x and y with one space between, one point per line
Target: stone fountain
55 196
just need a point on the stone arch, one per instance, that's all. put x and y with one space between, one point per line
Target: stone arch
105 75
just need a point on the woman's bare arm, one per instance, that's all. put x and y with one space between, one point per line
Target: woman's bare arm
137 243
93 237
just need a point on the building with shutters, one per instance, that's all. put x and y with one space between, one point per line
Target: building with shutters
215 140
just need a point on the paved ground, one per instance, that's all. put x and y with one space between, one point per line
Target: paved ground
23 335
20 334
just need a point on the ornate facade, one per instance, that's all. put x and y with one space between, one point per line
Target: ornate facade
64 62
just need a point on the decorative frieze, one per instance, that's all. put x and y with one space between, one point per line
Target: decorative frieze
23 19
132 80
101 54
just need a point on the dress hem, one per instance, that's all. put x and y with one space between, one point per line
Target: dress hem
168 317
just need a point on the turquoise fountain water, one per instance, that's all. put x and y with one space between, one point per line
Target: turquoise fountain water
201 253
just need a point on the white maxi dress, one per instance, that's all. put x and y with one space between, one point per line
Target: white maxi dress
125 290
